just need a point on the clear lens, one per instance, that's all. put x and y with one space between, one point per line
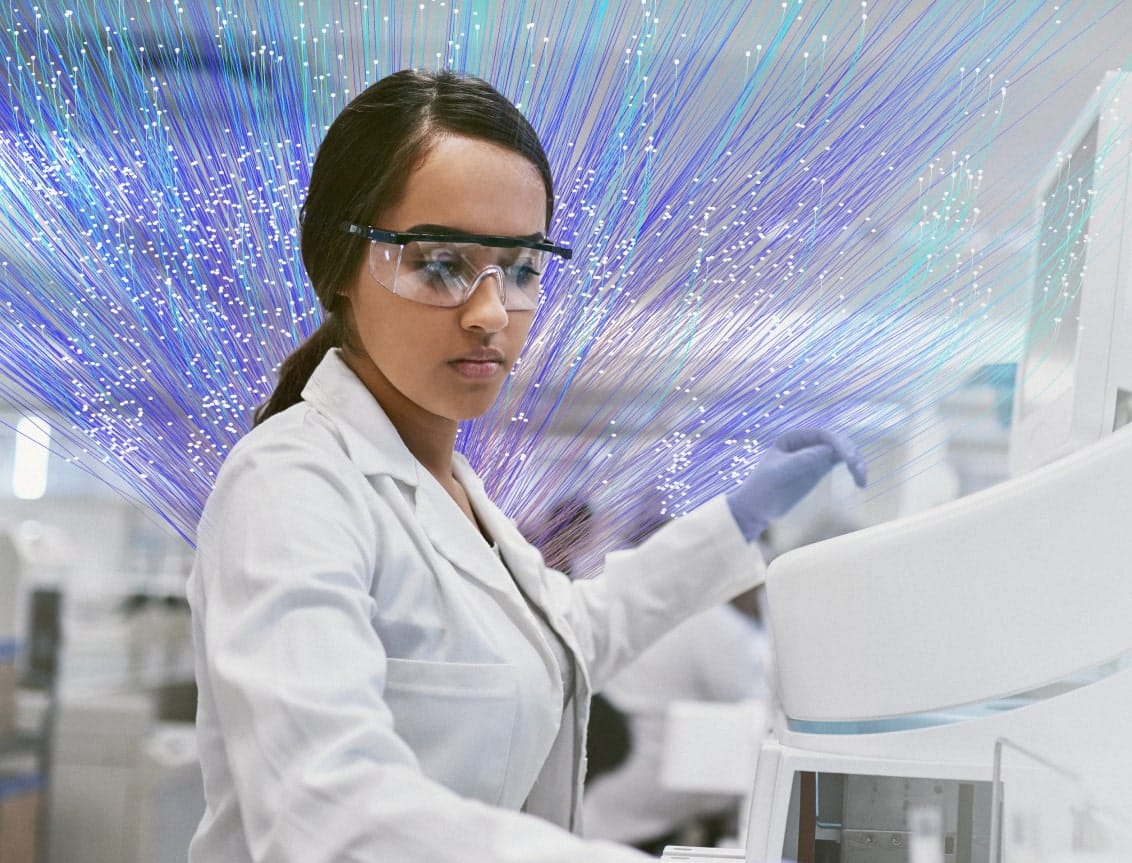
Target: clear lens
445 274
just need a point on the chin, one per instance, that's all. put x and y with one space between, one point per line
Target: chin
474 413
471 406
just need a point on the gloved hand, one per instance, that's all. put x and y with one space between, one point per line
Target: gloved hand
788 471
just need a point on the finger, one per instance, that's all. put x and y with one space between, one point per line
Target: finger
818 456
807 467
799 439
794 440
837 446
848 452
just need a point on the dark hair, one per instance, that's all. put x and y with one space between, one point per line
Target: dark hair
362 167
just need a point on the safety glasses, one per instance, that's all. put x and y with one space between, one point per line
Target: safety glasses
444 268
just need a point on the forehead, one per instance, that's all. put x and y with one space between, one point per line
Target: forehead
472 186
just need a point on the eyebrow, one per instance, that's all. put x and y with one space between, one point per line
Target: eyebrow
533 241
456 232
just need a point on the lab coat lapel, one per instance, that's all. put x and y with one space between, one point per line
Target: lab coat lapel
554 796
523 561
457 539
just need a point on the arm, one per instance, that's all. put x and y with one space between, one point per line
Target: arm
692 564
700 560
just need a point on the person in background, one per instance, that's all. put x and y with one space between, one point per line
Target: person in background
387 669
565 535
718 655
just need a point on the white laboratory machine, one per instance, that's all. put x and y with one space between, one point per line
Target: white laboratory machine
125 781
908 652
108 697
126 787
956 686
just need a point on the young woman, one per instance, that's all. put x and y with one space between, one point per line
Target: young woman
387 670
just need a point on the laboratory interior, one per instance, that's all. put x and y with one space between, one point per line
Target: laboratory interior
939 666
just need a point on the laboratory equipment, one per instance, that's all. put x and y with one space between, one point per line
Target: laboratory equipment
126 786
1043 811
1074 382
910 652
905 651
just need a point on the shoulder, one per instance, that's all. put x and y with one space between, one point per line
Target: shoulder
297 441
288 471
297 433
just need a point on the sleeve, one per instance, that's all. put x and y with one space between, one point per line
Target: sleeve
292 678
695 563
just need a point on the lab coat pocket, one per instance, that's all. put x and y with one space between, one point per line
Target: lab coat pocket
458 717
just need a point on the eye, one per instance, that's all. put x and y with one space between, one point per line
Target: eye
446 270
439 266
524 275
525 272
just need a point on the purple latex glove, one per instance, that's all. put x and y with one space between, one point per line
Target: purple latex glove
787 473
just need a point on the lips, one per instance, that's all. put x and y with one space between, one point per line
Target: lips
479 365
487 355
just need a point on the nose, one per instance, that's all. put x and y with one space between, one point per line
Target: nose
484 309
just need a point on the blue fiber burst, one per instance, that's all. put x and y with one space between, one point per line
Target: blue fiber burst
771 230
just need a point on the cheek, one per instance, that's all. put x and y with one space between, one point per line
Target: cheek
519 324
366 320
390 332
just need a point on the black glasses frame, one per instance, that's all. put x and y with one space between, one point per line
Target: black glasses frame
401 238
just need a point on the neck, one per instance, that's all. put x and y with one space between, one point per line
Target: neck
430 438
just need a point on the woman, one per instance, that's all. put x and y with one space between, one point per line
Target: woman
387 671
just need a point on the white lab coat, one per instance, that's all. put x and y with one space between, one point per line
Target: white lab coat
373 686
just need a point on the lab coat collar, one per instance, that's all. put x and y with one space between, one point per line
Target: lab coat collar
370 439
458 538
521 559
375 447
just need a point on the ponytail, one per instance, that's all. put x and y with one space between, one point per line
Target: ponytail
299 366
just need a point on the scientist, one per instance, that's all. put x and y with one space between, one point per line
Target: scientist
387 670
